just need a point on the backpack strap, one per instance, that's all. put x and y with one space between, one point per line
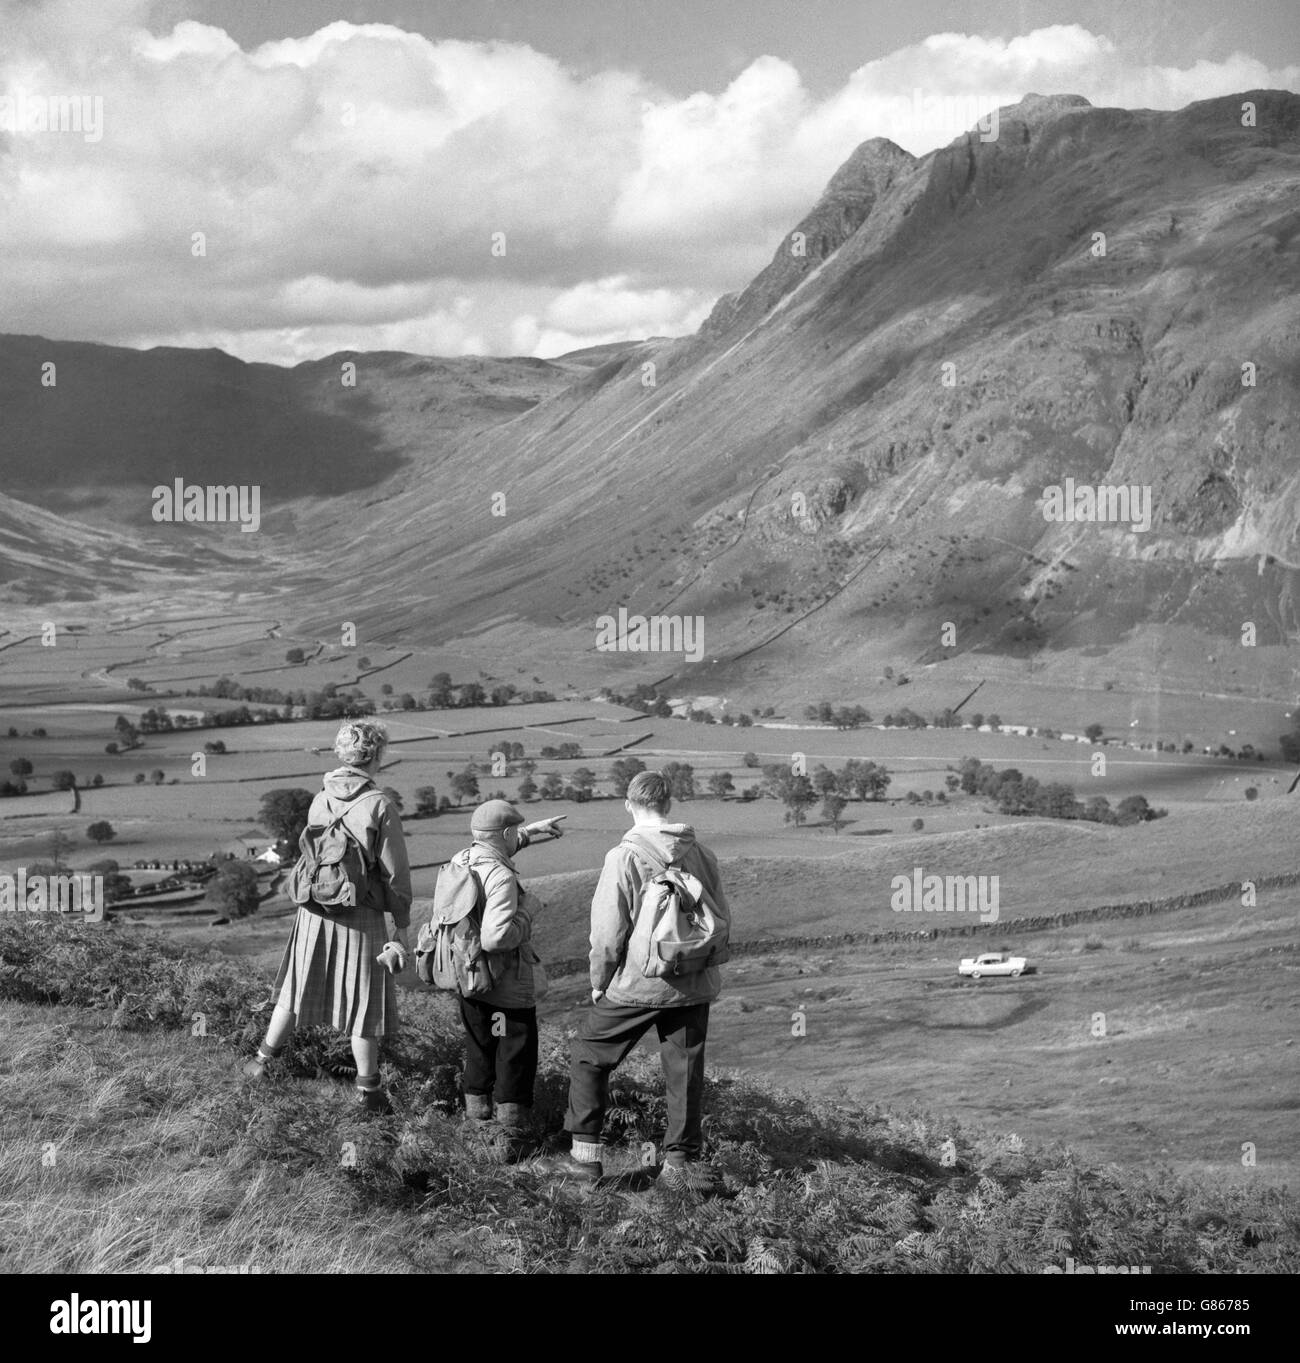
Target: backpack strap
337 821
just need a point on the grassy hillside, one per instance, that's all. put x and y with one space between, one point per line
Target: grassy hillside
129 1141
1043 867
855 452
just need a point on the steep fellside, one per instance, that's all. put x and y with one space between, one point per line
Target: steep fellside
857 447
44 557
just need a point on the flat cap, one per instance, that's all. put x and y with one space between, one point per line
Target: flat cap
494 815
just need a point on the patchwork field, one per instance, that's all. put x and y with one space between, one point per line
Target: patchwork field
1199 1002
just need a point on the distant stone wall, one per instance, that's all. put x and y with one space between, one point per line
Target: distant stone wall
1141 908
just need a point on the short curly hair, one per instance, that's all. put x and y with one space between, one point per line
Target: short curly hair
360 741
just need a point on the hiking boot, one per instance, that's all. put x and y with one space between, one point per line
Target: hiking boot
694 1176
516 1123
478 1107
588 1169
373 1101
256 1067
589 1172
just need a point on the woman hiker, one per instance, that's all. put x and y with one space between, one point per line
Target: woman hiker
501 1026
338 967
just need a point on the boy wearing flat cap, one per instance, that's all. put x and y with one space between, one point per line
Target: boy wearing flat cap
501 1026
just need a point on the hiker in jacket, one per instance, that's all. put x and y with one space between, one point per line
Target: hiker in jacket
338 967
626 1003
501 1026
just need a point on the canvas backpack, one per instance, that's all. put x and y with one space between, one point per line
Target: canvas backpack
331 871
678 930
449 951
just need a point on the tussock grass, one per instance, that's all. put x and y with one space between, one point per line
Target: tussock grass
161 1150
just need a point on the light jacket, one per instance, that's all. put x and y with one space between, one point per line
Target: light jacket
613 914
506 929
375 823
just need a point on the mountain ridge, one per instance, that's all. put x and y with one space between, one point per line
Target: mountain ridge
857 443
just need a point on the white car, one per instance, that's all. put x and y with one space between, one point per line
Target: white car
992 963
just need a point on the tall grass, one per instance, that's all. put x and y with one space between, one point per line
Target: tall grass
130 1140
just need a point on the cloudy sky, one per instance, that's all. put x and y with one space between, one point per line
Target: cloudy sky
504 176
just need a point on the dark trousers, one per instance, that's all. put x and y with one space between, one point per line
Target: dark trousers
608 1033
500 1051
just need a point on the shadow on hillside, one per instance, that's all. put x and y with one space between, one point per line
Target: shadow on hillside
198 415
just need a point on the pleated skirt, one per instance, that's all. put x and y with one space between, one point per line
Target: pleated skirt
329 977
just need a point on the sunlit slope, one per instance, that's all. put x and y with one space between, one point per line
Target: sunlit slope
867 432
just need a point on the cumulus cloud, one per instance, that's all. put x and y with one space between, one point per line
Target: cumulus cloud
365 187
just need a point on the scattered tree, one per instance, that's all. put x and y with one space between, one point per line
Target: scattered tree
101 831
233 890
284 812
464 783
60 846
1134 809
681 779
622 772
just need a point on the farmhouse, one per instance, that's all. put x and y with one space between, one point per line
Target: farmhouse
245 845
